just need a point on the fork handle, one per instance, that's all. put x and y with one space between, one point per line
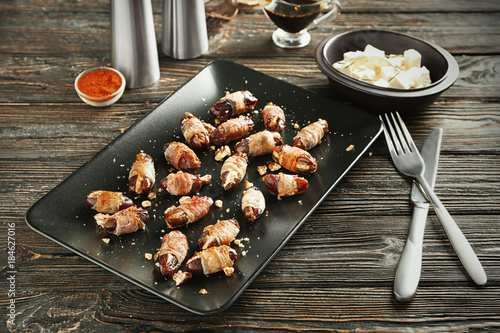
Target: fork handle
457 239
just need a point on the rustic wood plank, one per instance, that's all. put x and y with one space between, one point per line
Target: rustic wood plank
337 308
469 33
478 80
332 295
40 131
332 246
347 6
368 187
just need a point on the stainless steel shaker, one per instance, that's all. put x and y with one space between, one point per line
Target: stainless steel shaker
184 31
134 51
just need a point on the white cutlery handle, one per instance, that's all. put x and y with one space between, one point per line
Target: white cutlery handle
460 244
410 263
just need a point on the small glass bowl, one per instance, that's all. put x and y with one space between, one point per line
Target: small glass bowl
100 101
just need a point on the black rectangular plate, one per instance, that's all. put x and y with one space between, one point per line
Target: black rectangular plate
63 216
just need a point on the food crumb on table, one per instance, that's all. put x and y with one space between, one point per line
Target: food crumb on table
262 169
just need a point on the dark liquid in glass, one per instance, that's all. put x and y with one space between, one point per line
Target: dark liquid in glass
295 17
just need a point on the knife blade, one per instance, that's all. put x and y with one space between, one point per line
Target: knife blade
409 267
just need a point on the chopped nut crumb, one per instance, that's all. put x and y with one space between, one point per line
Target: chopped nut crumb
351 147
300 202
273 166
106 240
228 271
248 184
370 154
237 242
151 196
262 169
296 126
148 256
244 253
227 210
203 291
181 277
146 204
222 153
218 203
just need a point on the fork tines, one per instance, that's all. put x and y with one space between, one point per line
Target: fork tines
400 140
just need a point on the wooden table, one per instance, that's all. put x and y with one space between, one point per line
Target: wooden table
354 238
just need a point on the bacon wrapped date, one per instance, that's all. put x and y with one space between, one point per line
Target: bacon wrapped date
295 159
311 135
233 104
285 185
190 210
194 131
172 252
181 157
142 175
233 129
259 143
108 202
253 202
184 183
125 221
221 233
274 117
212 260
233 170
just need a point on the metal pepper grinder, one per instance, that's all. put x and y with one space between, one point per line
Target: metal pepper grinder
184 30
134 52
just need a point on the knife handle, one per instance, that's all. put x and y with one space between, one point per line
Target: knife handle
457 239
410 263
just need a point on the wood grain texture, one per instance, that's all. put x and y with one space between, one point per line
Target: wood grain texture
336 272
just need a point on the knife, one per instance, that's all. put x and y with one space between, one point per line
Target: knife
409 267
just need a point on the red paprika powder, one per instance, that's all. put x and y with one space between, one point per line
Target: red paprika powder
100 83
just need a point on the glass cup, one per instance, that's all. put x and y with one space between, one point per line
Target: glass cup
295 17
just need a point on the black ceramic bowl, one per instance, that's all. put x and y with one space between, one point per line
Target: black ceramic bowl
442 67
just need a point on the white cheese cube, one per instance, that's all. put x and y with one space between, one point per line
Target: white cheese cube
420 76
375 58
387 72
396 61
353 54
373 51
363 73
381 83
401 81
355 59
412 58
343 67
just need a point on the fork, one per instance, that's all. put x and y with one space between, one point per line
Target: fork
408 161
